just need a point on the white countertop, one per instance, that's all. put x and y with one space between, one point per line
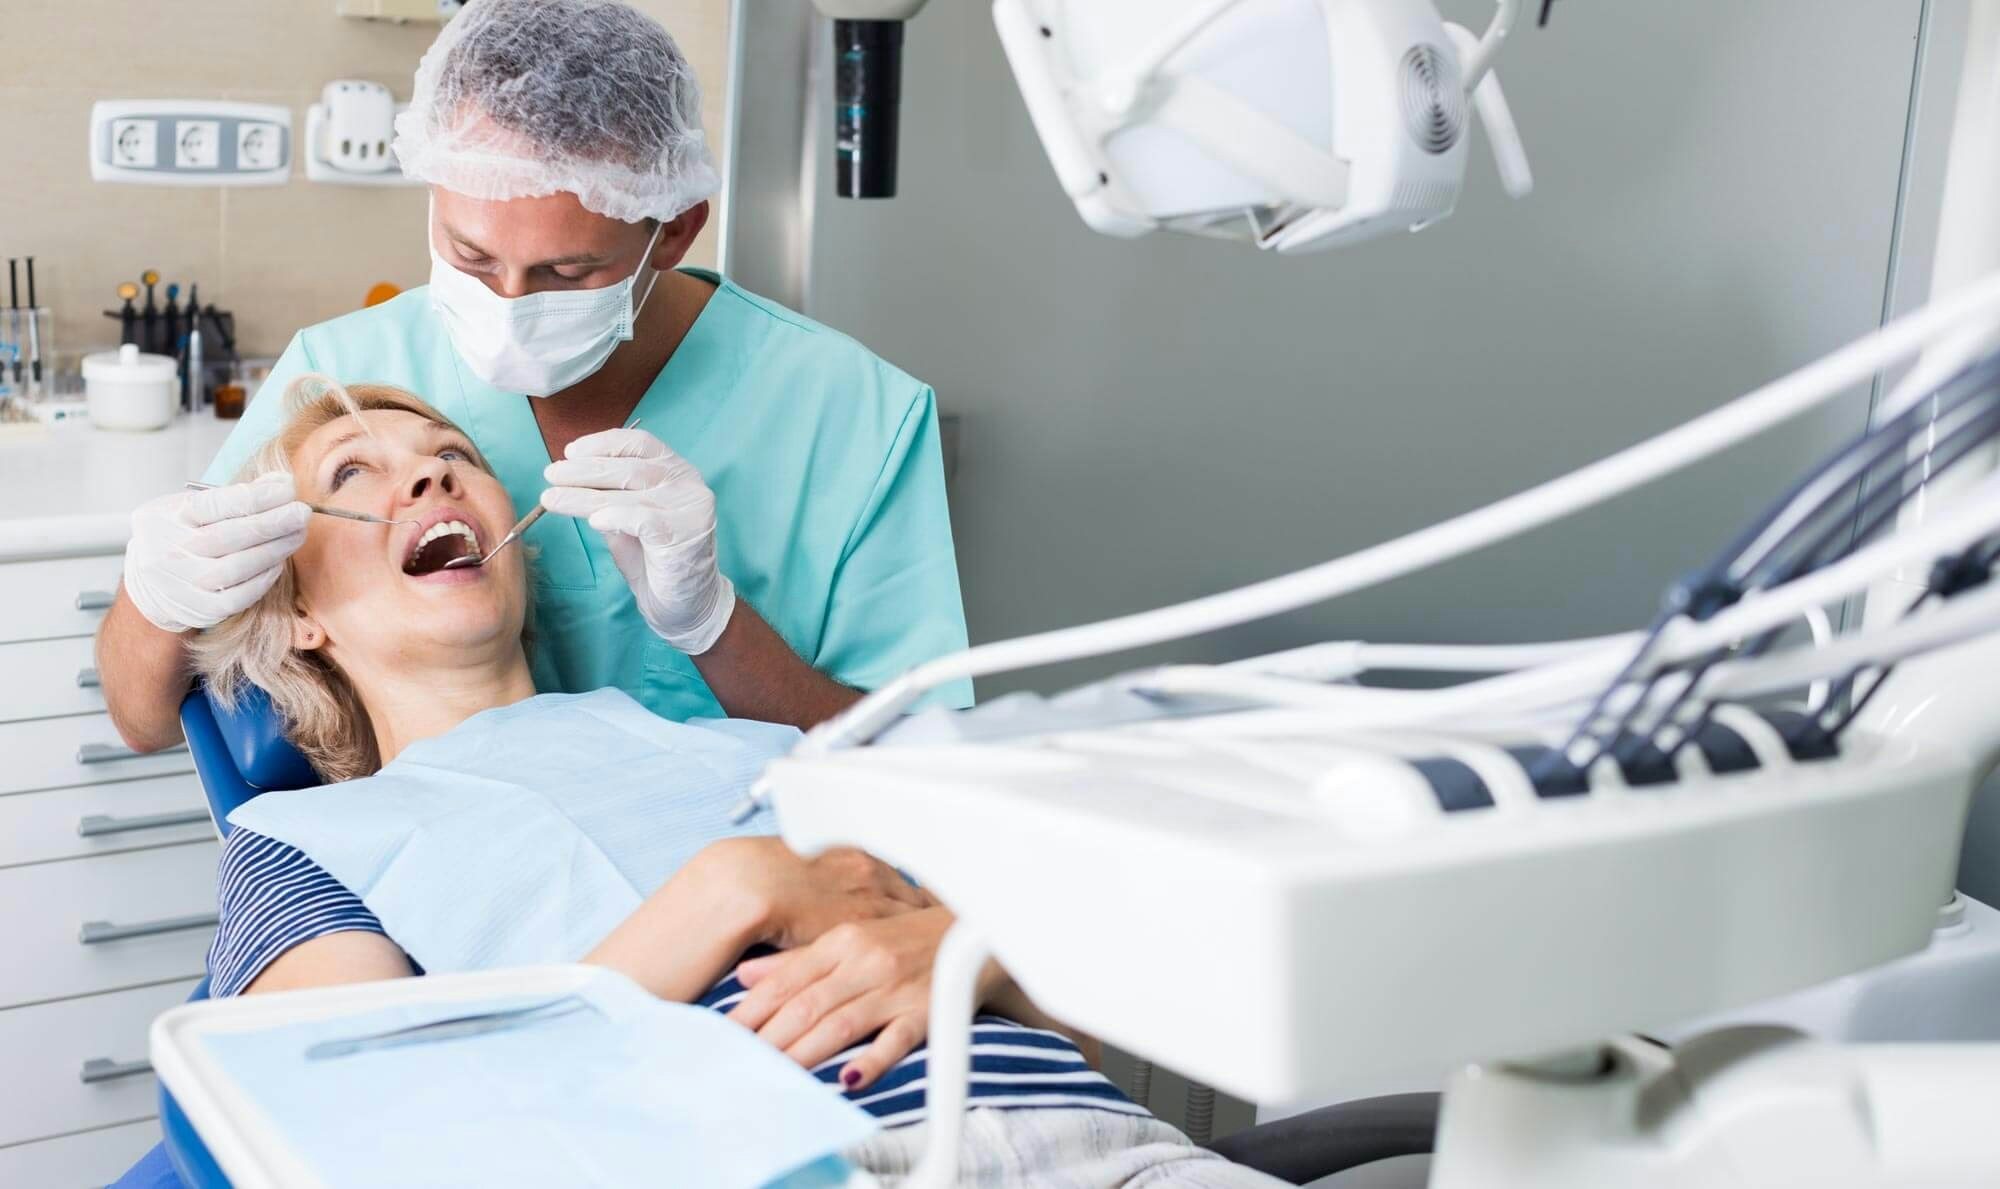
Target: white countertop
68 491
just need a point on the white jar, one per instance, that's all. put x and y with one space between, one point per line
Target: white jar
128 390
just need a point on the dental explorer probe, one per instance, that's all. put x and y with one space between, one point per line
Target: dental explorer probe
513 534
342 513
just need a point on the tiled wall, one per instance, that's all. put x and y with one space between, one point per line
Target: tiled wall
282 257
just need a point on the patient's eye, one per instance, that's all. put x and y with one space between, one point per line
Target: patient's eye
455 454
344 470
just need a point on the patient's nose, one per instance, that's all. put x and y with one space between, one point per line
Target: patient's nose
434 476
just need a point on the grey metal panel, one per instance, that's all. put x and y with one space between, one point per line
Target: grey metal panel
766 205
1150 421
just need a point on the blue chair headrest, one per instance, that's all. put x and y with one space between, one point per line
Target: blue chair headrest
255 737
240 753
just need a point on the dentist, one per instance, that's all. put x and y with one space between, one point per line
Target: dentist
771 540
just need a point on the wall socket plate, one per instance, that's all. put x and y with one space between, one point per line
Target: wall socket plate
190 142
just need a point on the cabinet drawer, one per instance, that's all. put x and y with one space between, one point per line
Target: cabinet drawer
152 909
73 1161
102 819
44 678
59 752
40 599
50 1049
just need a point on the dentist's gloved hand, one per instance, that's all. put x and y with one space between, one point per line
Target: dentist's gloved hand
198 557
658 517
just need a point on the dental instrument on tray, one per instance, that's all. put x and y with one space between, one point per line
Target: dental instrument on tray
452 1028
34 329
513 534
194 390
128 317
342 513
14 314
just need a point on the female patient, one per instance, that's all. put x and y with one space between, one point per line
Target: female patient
371 649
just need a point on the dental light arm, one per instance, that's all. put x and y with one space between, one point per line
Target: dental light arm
1295 126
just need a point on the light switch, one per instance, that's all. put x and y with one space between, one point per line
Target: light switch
196 144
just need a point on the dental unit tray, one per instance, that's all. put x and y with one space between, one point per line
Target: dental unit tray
1319 883
253 1150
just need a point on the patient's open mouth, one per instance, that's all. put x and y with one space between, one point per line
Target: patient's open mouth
440 543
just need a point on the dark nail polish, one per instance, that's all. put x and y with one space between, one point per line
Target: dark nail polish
850 1078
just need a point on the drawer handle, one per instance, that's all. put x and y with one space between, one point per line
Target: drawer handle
87 679
93 600
99 932
104 753
104 1069
96 825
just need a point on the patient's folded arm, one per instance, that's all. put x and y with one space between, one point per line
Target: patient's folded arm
353 956
739 893
688 934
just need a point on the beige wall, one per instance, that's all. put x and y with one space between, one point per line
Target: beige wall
280 257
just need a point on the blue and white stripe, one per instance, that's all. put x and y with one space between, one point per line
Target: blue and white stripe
1013 1066
272 897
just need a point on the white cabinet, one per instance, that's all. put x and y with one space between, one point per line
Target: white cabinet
89 925
81 1063
102 819
49 598
107 859
81 749
44 678
88 1158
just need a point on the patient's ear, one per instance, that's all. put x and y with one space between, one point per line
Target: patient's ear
307 634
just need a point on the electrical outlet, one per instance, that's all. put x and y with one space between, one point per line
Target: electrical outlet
197 144
190 142
134 144
259 146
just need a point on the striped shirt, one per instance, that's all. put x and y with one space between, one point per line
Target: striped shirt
272 897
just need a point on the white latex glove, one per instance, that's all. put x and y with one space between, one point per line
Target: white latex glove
198 557
658 517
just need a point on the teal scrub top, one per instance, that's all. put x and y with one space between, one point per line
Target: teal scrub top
824 460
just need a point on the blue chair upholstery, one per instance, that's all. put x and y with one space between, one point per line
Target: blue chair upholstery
240 753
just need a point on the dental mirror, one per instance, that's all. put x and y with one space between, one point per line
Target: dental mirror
513 534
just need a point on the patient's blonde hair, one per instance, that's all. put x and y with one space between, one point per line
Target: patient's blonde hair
322 714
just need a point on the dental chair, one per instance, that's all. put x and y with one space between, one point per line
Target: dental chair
243 752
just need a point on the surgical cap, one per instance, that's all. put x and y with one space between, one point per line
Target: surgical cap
526 98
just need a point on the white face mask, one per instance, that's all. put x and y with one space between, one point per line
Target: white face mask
538 343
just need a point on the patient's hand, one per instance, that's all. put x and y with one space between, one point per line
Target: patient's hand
798 900
859 978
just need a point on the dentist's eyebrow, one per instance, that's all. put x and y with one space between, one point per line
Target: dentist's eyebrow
592 258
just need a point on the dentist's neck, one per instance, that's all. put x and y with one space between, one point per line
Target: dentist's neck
422 702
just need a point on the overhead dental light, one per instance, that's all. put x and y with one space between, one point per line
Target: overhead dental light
1294 124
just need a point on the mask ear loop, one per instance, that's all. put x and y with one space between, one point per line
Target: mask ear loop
655 279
